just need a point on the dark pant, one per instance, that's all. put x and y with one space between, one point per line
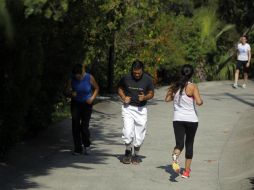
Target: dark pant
185 131
241 66
81 115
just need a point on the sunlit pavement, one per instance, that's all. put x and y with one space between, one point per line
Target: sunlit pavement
223 150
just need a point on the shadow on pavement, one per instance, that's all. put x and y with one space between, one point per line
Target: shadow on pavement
252 182
240 99
173 174
120 157
244 98
52 150
155 101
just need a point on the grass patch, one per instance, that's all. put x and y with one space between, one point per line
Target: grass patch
62 111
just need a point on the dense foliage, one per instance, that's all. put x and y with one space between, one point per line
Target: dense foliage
42 39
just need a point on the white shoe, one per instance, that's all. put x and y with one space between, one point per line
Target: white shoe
235 85
87 150
175 163
244 86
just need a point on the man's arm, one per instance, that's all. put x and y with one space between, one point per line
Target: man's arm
143 97
150 92
121 93
125 99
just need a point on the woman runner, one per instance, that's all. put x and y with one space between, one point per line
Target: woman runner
184 95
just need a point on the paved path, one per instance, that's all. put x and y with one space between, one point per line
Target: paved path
223 154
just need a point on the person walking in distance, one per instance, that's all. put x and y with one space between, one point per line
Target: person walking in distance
135 89
243 61
83 89
184 95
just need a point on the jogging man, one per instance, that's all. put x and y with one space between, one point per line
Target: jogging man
134 89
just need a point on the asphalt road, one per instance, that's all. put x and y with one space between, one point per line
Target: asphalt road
223 149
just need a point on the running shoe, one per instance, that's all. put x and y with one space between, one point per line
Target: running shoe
235 85
176 167
186 174
136 160
127 157
175 163
244 86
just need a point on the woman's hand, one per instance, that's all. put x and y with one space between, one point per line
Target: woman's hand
90 101
170 95
73 94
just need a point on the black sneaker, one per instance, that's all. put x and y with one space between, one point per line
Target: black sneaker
136 160
127 157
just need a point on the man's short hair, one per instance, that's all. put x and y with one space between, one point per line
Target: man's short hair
137 64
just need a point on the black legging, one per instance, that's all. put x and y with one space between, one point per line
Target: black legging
81 115
185 131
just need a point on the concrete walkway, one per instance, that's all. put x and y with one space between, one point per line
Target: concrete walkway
223 150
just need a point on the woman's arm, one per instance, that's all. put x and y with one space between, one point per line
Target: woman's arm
170 94
68 91
197 96
96 89
249 58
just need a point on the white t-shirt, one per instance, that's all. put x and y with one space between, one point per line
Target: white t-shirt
243 52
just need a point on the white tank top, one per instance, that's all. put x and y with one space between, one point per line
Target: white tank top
184 107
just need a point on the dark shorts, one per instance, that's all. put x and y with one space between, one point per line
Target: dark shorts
242 65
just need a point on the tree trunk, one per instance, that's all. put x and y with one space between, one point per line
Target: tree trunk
111 61
200 70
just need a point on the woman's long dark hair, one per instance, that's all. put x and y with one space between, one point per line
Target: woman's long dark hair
77 69
186 74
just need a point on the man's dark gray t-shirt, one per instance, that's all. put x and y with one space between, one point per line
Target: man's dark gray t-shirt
133 88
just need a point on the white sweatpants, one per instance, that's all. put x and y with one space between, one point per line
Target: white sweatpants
134 124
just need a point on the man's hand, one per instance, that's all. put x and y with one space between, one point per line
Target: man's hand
248 64
127 99
141 97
